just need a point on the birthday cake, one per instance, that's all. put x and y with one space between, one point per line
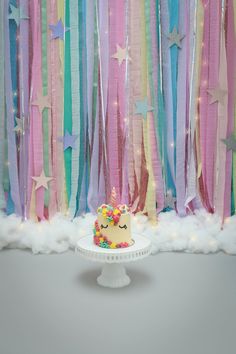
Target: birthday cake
112 229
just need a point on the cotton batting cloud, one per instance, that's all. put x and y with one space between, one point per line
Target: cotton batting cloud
199 233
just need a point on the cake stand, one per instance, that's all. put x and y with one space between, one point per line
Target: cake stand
113 273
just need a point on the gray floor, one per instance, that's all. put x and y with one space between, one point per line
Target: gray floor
176 304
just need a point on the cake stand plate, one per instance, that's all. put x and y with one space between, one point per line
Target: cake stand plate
113 273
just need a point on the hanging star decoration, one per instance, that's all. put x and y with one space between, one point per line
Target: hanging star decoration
68 140
20 125
17 14
121 54
217 94
42 102
42 180
142 108
58 30
170 200
230 142
175 38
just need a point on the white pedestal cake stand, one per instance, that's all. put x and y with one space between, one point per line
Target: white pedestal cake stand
113 271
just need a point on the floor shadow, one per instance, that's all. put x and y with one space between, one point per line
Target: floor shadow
139 279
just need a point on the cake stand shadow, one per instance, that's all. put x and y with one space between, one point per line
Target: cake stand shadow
113 273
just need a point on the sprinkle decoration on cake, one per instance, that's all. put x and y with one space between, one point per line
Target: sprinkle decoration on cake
112 227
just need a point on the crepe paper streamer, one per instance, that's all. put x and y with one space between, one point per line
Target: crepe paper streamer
24 105
234 130
115 102
182 102
174 51
61 15
81 198
150 195
203 108
93 120
168 98
160 122
67 99
45 93
231 61
130 103
54 114
11 104
208 114
35 116
222 128
136 121
2 106
90 27
125 185
75 90
193 158
154 168
153 81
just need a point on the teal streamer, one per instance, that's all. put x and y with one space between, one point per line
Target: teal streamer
2 105
162 128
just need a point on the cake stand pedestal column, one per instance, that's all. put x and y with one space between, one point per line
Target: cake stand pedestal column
113 276
113 273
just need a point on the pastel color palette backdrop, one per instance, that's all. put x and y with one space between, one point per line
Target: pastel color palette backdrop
136 95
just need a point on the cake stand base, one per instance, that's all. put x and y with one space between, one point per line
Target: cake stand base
113 276
113 272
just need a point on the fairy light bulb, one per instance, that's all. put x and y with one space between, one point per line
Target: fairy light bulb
172 144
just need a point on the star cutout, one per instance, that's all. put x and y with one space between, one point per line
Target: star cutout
170 200
19 128
58 30
142 108
42 180
175 38
68 140
17 14
121 54
42 102
230 142
217 94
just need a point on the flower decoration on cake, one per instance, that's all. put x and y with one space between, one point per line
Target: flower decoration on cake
112 225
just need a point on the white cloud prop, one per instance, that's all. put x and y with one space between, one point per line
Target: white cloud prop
199 233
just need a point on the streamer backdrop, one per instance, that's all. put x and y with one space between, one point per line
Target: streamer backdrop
137 95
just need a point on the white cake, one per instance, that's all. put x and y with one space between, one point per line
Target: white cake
112 228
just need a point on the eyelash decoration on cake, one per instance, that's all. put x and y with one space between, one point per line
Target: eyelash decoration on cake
104 227
123 227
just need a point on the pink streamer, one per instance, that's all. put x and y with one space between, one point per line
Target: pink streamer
115 96
36 138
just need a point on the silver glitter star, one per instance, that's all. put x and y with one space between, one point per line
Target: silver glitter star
21 125
17 14
217 94
230 142
170 200
175 38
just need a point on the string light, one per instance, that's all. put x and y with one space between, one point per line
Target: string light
172 144
115 103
